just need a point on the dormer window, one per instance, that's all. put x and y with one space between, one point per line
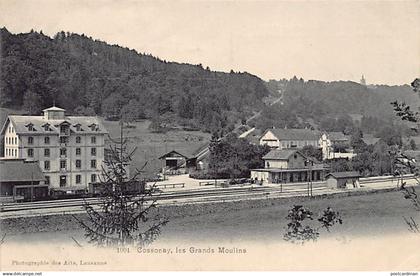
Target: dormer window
30 127
47 127
78 127
94 127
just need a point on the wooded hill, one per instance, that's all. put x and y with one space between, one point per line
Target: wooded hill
87 76
333 106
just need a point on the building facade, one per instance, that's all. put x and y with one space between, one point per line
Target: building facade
68 149
290 138
288 166
335 145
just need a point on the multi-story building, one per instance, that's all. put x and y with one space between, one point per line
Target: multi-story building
290 138
68 149
289 165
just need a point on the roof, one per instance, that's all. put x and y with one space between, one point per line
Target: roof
15 170
171 152
349 174
54 108
319 167
20 123
337 136
295 134
280 154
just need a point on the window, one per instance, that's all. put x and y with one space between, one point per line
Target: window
46 165
93 140
63 151
47 127
30 127
30 152
78 178
46 140
78 164
16 153
62 164
63 180
93 151
46 152
78 151
47 180
78 139
16 140
30 140
63 140
93 178
93 164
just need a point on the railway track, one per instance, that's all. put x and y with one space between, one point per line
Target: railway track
176 197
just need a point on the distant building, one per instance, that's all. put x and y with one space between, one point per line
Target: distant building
290 138
285 166
20 179
347 180
68 149
363 80
333 145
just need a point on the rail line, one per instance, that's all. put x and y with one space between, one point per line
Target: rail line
170 197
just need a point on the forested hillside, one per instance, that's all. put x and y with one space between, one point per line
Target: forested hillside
334 106
87 76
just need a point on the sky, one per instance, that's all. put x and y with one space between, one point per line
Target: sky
322 40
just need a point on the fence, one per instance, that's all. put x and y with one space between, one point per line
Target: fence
170 185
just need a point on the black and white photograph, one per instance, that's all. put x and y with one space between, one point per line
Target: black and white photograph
209 135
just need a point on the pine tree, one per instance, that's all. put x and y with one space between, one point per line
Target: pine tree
124 216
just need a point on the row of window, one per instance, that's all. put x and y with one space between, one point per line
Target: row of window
63 152
63 179
11 129
63 164
11 152
62 140
11 140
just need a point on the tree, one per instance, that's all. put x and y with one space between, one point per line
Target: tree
125 215
299 233
313 152
32 103
413 145
403 163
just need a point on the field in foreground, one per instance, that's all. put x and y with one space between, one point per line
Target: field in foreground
373 214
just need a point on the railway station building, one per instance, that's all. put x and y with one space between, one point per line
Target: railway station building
288 166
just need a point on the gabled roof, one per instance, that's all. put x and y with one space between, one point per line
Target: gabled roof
349 174
15 170
54 108
281 154
171 153
20 124
295 134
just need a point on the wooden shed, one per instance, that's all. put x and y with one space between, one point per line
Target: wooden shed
343 180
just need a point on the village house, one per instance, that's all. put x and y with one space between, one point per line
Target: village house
68 149
290 138
286 166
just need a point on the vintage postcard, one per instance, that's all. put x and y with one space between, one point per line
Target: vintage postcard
227 135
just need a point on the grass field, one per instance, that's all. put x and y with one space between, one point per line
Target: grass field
373 214
150 146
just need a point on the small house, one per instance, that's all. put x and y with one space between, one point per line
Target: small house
342 180
21 179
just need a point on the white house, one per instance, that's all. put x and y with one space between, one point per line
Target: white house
68 149
290 138
332 140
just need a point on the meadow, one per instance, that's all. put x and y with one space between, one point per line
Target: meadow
151 145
